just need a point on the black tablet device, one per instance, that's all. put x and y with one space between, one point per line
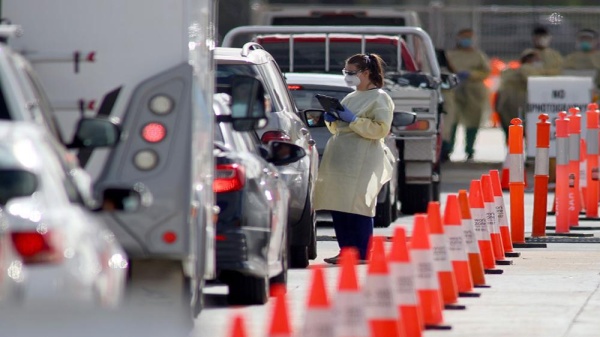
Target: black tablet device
330 104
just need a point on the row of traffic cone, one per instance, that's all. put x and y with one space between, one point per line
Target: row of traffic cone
407 288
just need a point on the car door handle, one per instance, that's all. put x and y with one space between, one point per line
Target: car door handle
304 131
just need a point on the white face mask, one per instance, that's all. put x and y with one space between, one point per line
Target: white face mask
352 80
544 41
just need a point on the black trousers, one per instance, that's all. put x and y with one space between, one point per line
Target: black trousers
353 230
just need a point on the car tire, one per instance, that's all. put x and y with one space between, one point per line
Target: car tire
247 290
383 212
415 198
281 278
299 257
312 247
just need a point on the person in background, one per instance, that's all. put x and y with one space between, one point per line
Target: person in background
551 59
471 95
511 100
355 162
449 111
586 57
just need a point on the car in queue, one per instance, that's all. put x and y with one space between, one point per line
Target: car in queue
68 253
251 240
285 123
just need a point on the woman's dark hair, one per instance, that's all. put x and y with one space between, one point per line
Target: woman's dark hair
371 62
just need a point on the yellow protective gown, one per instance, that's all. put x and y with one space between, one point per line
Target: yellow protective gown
581 61
512 93
470 96
355 165
552 61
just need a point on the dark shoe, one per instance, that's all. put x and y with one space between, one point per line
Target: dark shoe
333 260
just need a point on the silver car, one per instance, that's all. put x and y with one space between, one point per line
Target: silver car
69 255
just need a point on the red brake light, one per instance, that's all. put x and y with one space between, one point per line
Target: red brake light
35 247
294 87
275 135
154 132
229 178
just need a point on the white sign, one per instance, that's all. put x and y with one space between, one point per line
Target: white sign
550 95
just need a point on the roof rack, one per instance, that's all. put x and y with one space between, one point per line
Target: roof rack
250 46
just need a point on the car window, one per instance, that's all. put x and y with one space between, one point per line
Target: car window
4 115
226 71
16 183
218 135
305 98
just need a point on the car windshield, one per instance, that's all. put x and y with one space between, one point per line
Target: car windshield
305 98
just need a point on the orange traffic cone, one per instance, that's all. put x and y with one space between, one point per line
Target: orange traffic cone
381 310
427 283
492 220
456 247
319 319
481 228
351 319
239 327
440 257
280 322
475 262
505 175
403 286
502 216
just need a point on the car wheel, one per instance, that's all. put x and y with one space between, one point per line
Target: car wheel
312 247
281 278
415 198
247 290
299 256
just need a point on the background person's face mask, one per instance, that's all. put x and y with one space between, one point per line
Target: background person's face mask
543 41
465 42
584 45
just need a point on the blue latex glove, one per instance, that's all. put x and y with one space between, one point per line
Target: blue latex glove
463 75
347 115
329 117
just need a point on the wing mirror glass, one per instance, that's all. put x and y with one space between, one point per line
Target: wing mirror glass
283 153
126 199
95 132
314 118
404 118
16 183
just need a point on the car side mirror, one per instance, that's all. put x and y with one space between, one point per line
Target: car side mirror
95 132
283 153
449 81
16 183
404 118
125 199
314 118
248 110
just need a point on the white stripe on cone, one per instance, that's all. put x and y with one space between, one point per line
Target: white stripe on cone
350 315
425 274
403 283
318 323
379 297
470 237
440 252
491 218
500 211
480 224
457 250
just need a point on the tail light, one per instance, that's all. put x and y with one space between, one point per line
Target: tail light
294 87
35 247
419 125
154 132
275 135
229 178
